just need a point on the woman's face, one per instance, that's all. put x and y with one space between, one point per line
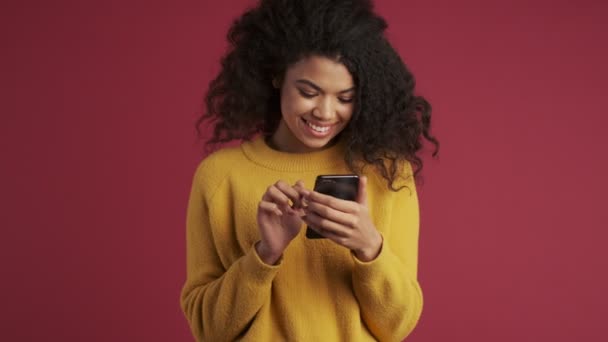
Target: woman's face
317 101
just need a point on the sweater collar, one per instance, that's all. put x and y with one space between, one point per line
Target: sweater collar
258 151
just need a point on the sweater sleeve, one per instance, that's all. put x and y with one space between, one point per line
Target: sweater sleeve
387 288
219 302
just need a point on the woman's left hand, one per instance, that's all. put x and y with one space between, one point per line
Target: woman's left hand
346 223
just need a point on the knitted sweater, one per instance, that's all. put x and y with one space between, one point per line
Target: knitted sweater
319 291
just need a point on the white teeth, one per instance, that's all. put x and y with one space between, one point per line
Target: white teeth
318 128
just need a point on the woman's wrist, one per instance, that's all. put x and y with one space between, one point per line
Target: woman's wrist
371 251
266 254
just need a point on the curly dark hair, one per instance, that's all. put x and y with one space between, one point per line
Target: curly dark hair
388 121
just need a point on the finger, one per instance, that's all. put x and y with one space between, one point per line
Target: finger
325 225
311 226
289 191
346 219
333 202
303 193
340 240
270 208
301 189
288 209
273 194
362 193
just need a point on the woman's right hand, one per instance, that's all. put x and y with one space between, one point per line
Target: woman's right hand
279 219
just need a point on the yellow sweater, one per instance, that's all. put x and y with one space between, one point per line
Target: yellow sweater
319 291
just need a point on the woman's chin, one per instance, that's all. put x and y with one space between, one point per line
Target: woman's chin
316 143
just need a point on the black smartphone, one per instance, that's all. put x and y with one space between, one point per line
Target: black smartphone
341 186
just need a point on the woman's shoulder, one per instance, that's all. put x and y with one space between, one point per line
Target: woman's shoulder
402 172
219 164
222 158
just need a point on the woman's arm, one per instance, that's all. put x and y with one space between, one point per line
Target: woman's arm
387 287
385 270
219 303
389 295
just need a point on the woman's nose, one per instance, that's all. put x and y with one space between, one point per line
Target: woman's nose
324 110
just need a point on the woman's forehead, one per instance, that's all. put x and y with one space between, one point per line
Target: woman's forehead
321 71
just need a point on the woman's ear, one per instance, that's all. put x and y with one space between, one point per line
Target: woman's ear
276 83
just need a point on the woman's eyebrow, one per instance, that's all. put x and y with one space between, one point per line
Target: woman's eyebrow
316 87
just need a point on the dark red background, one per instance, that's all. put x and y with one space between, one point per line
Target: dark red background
98 103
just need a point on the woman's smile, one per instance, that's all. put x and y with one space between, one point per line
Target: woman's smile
318 129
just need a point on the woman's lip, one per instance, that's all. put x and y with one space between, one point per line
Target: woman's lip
318 124
317 133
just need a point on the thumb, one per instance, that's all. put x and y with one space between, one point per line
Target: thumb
362 192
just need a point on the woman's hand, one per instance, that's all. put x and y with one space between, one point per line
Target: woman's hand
279 219
347 223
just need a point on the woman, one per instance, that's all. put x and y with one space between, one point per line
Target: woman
311 87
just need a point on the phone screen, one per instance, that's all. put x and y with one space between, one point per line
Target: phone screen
340 186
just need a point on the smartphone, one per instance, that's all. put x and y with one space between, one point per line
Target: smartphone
340 186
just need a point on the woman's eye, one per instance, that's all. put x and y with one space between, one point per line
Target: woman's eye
346 100
307 95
